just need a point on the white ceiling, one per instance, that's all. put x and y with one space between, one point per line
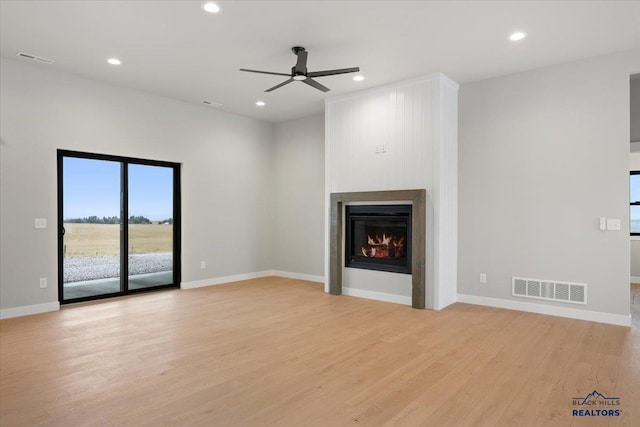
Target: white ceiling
175 49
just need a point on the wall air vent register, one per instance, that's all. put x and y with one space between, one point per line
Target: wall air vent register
550 290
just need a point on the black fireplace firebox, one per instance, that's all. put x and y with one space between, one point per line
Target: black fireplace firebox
378 237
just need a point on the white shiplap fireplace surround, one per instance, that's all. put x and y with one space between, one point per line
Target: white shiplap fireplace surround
402 136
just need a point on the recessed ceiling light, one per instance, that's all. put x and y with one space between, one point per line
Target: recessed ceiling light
210 7
114 61
518 35
358 78
260 103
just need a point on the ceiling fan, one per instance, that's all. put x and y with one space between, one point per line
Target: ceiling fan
299 72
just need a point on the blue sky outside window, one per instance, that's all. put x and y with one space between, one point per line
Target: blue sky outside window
634 196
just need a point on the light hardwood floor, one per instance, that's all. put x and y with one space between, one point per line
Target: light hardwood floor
280 352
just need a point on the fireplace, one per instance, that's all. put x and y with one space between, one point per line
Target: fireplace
378 237
337 245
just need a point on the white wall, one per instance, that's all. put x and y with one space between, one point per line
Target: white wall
417 122
298 179
635 109
544 154
226 172
634 165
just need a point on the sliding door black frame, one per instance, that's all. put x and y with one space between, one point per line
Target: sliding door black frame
124 223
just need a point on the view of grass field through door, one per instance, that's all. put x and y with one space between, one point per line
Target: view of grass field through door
118 226
91 245
150 226
634 197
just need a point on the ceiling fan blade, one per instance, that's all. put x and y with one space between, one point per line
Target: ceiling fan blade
315 84
301 64
265 72
333 72
286 82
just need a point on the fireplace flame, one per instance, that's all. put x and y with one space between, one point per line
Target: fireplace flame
385 247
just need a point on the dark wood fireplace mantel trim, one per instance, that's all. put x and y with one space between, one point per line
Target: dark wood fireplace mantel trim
417 198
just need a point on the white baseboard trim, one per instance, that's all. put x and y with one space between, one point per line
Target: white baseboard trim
225 279
299 276
380 296
26 310
635 279
571 313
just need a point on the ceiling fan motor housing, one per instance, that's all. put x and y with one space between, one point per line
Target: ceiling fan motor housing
298 75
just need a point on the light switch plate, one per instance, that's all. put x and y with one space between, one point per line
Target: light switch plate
614 224
40 223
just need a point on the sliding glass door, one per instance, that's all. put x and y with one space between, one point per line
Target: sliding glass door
91 230
119 225
150 236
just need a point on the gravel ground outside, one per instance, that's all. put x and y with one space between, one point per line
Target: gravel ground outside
80 268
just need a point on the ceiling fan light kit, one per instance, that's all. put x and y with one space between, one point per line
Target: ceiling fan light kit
299 72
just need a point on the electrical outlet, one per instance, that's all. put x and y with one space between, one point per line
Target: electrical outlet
203 264
483 278
43 282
